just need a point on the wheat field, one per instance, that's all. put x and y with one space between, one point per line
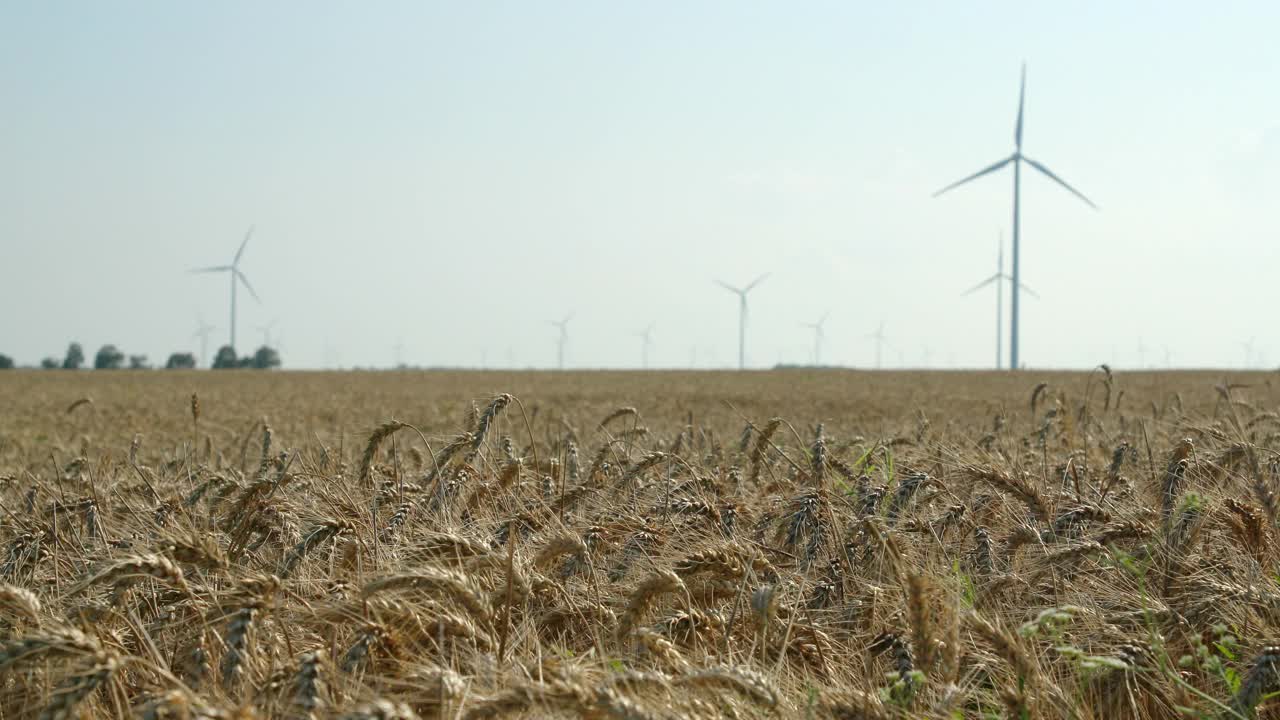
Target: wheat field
819 544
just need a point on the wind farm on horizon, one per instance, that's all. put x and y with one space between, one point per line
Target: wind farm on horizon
875 339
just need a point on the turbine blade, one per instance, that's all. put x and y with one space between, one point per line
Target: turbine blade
1022 93
1058 180
242 244
755 282
1029 291
981 285
247 286
985 171
729 287
216 268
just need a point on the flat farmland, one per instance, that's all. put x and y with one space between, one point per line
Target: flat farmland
639 544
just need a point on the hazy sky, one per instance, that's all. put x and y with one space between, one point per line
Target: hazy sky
452 176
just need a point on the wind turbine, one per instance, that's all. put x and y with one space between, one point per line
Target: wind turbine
879 337
202 331
1017 158
1000 278
1248 352
742 315
1142 355
233 270
819 334
646 342
563 339
266 332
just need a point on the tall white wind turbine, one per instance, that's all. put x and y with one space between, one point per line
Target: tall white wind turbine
233 270
266 333
646 342
563 339
202 331
999 279
819 334
742 315
1017 159
880 339
1248 352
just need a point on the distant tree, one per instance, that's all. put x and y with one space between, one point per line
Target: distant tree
139 362
226 358
266 359
50 363
180 361
109 357
74 358
6 362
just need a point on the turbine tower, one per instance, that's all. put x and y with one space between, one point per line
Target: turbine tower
1000 278
742 315
202 331
563 340
879 337
819 334
1017 159
646 342
233 270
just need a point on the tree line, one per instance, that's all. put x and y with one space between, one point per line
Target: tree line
109 357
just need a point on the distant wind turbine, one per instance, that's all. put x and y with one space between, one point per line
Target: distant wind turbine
202 331
646 342
1000 278
879 337
563 340
1142 355
233 270
1248 352
819 334
1017 158
742 315
266 332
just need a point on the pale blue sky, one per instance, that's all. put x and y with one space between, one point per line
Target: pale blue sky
453 176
